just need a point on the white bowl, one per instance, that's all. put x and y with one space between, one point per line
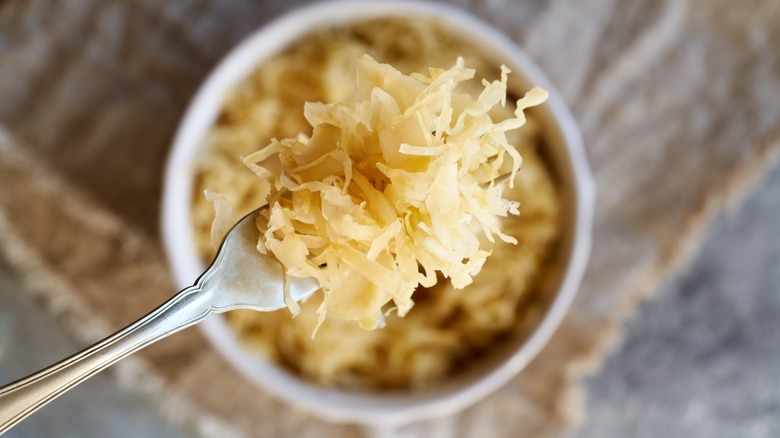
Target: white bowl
564 146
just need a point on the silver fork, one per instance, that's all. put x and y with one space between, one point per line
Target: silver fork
240 277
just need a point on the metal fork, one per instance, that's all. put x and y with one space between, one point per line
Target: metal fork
240 277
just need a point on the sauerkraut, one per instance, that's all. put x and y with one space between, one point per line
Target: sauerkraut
386 201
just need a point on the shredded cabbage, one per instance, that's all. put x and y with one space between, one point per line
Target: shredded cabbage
447 330
391 188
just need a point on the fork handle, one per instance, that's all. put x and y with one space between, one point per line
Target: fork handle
25 396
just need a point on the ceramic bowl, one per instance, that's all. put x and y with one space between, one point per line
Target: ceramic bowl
564 152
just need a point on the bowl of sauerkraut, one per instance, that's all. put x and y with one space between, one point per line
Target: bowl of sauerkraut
466 328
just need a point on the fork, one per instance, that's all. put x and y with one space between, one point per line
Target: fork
240 277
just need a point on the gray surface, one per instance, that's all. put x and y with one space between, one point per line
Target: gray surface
703 358
29 340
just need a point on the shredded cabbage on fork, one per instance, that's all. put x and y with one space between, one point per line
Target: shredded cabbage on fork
390 189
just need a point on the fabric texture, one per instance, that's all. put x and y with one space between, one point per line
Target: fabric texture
677 101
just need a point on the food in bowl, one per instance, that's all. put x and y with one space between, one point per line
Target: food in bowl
447 328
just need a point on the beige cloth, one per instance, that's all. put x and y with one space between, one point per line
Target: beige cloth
678 101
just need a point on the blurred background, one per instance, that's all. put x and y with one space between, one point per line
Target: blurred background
676 331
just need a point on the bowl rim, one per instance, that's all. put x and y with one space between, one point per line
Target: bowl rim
177 194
